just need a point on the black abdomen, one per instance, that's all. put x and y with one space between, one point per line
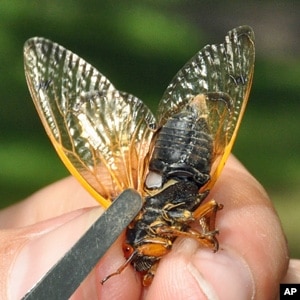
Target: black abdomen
183 148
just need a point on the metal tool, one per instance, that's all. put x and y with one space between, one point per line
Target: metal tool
65 276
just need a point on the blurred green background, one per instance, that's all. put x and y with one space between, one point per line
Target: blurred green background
140 45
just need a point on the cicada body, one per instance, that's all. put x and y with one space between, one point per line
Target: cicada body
111 141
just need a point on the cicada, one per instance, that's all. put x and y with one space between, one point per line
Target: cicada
110 141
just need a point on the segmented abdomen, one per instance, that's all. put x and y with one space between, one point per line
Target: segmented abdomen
183 148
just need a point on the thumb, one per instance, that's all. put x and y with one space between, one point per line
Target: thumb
28 253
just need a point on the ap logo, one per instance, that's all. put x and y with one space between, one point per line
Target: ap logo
289 291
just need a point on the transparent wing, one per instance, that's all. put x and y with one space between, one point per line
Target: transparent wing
102 135
224 74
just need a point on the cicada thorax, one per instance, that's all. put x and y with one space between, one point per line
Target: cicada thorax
182 158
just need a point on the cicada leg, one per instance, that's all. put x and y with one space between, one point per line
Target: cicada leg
148 277
154 248
206 214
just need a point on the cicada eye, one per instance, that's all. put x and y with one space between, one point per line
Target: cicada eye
128 250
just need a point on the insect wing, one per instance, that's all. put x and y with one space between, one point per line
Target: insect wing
224 73
102 135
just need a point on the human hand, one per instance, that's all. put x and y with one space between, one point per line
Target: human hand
251 262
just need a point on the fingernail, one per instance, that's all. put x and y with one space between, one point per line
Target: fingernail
44 247
222 275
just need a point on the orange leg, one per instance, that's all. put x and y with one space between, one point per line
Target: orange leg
154 247
148 277
206 214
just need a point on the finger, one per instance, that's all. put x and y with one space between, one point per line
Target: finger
293 273
35 249
54 200
253 256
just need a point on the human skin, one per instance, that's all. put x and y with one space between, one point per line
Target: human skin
252 260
